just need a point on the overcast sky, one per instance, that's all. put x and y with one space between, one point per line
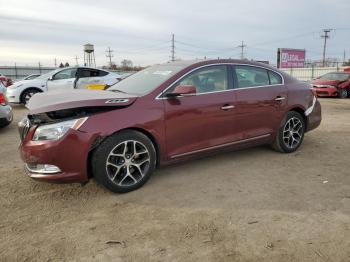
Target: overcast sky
139 30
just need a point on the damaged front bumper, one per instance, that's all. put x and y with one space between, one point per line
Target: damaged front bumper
58 161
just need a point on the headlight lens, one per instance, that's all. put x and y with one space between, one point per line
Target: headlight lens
58 130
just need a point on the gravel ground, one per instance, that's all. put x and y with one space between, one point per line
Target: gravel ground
251 205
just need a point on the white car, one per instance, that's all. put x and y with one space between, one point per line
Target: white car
60 79
31 77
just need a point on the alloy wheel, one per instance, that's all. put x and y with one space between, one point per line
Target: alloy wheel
293 132
343 93
128 163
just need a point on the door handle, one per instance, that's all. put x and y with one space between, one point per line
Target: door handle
280 98
227 107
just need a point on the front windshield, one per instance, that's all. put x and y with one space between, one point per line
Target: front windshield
335 76
47 75
145 81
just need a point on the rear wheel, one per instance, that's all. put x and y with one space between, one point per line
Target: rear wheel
290 134
342 93
124 161
27 95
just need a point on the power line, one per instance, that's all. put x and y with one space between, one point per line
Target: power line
109 55
172 48
325 36
76 60
242 46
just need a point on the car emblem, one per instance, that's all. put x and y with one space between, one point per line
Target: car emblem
116 101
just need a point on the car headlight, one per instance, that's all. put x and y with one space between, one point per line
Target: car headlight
57 130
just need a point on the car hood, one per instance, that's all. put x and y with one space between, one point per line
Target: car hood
59 100
326 82
31 83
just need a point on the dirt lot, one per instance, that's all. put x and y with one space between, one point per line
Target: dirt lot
252 205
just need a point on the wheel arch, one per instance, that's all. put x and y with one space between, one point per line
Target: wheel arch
301 111
29 88
150 137
100 139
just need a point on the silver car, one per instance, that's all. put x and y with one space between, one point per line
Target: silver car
6 115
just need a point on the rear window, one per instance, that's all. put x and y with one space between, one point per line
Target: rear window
275 79
250 76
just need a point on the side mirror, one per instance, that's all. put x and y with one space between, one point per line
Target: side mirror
50 78
185 90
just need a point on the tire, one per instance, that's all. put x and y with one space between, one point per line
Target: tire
27 94
124 161
289 138
342 93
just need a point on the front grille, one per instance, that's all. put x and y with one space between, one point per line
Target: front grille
322 92
23 128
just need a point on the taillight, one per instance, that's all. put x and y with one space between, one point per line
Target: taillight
2 99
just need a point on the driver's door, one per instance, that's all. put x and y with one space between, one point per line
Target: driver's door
204 120
62 80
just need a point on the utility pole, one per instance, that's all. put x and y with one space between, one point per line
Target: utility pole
172 48
55 62
344 56
242 46
325 36
76 60
109 55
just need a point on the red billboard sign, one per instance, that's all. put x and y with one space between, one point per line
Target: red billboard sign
290 58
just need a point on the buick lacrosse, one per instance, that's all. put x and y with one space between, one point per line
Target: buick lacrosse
161 115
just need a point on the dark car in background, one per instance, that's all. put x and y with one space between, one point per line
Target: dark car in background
335 84
162 115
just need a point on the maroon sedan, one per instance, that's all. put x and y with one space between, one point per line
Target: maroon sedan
161 115
336 84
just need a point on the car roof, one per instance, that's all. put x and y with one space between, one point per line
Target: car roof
200 62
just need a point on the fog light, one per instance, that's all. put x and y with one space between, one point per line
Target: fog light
43 168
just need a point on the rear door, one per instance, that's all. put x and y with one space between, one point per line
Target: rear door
202 121
261 100
62 80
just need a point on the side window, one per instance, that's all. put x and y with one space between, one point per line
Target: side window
208 79
250 76
102 73
65 74
85 72
275 79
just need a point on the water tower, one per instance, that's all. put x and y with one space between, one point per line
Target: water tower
89 55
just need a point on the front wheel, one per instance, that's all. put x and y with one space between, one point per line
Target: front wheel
27 95
124 161
290 134
342 93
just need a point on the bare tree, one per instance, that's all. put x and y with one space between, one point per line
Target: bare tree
126 64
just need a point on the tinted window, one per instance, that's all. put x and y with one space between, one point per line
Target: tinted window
65 74
102 73
85 72
275 78
249 76
208 79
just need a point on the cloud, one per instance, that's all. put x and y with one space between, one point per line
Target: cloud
141 30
